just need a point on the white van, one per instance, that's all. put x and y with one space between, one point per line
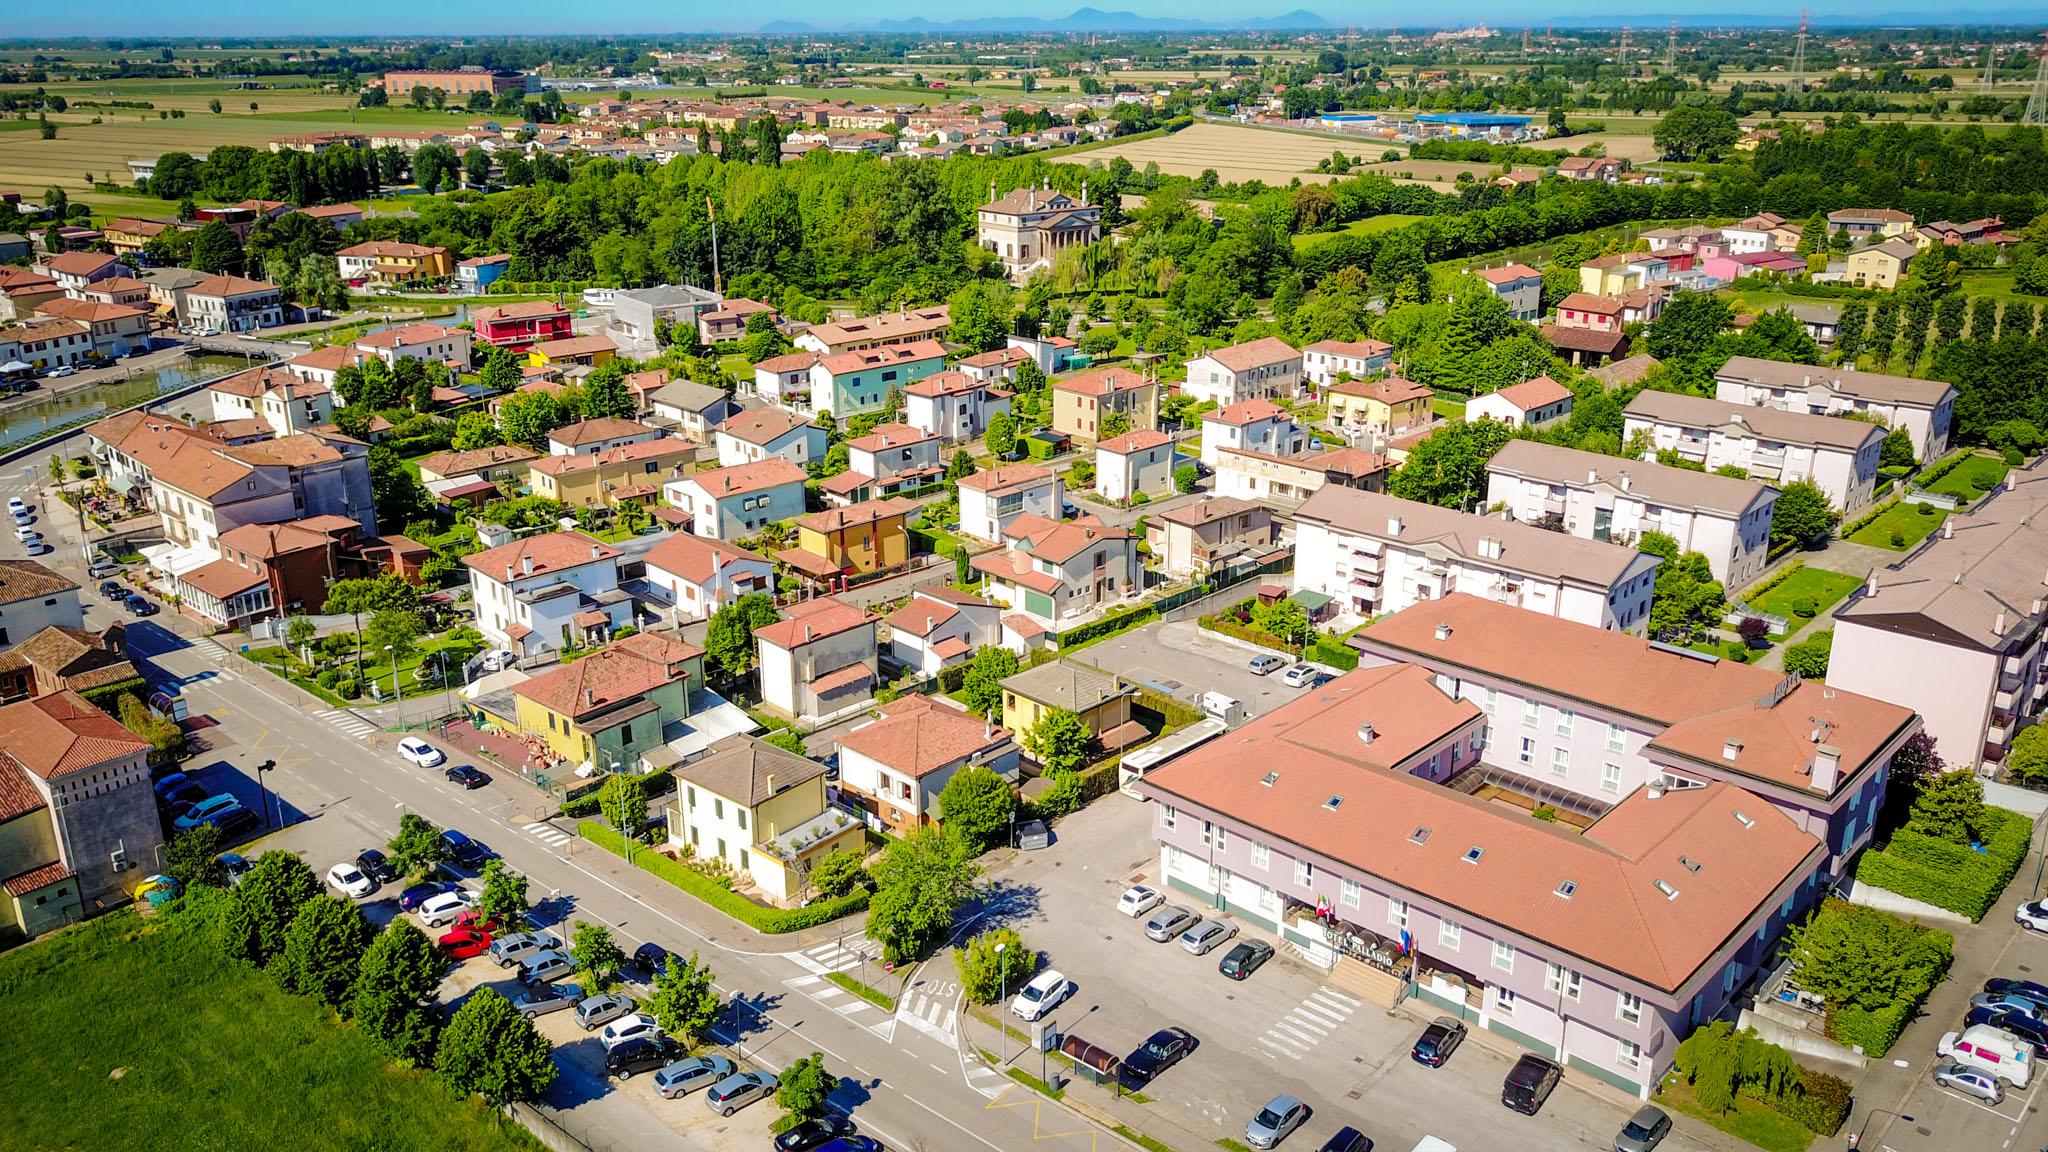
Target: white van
1224 708
1981 1046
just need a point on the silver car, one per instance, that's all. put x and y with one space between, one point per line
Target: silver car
512 950
1970 1082
1171 921
739 1090
686 1076
1208 934
1644 1130
602 1009
542 967
1281 1115
546 998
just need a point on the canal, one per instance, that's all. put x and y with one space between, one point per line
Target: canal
23 422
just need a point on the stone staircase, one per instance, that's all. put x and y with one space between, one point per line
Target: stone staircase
1365 981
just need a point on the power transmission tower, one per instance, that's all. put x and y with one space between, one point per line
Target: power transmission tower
1990 65
1525 41
1671 49
1624 51
1799 57
2037 104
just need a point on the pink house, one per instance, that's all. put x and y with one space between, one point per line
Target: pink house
1728 268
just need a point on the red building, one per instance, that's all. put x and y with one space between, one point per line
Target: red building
518 326
294 562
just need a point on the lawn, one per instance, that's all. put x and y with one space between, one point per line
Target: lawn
132 1034
1365 227
1751 1120
1824 587
1913 527
1448 407
1961 482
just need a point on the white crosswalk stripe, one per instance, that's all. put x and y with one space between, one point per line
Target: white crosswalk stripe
348 722
832 957
548 834
1308 1024
986 1080
933 1015
844 1003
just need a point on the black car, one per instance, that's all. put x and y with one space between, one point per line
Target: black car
1347 1139
1437 1042
464 850
236 822
652 959
137 606
2033 1032
1245 959
113 590
812 1134
1160 1051
643 1055
376 867
467 776
2038 993
1530 1083
182 796
422 892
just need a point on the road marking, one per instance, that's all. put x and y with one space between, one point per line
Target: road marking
1309 1023
548 834
348 722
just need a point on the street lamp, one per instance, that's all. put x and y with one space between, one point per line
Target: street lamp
1003 989
267 766
397 687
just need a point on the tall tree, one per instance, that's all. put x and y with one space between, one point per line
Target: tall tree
503 896
977 806
598 956
418 849
683 1002
268 898
605 393
492 1051
922 879
1060 741
323 950
216 249
1448 467
399 974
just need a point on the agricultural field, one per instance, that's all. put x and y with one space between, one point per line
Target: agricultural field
1236 153
1439 174
1365 227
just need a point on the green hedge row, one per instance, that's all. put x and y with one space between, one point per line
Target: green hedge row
1108 625
1947 875
1821 1104
759 917
1334 652
1750 594
1229 627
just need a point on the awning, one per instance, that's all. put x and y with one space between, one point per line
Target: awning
171 560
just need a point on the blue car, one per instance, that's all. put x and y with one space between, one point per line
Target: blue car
463 850
419 894
2026 1028
2026 989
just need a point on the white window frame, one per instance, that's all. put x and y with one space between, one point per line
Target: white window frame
1168 817
1628 1008
1532 713
1492 700
1304 872
1560 761
1504 956
1565 717
1628 1054
1261 857
1527 755
1610 778
1348 892
1503 1001
1397 913
1617 738
1449 934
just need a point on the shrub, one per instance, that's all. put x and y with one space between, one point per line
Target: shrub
327 677
1948 875
349 688
721 897
1804 607
985 974
1898 537
1752 629
1925 509
1060 798
2014 457
1821 1102
1140 498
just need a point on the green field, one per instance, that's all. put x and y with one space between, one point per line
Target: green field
1964 480
1819 584
1365 227
1912 526
125 1033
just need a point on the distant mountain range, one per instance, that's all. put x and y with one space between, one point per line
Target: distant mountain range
1081 20
1564 14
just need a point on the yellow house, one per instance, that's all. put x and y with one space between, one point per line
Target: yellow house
609 707
1610 275
1880 265
760 811
867 537
589 350
1390 405
613 476
1101 699
127 235
1079 403
393 262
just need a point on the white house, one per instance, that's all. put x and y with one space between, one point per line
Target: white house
727 503
233 304
285 401
701 576
433 343
1376 553
1924 408
1324 360
942 625
1257 370
996 366
34 597
895 457
1052 354
1250 426
821 662
753 436
1530 404
953 405
1134 462
991 500
1770 444
696 409
785 381
1054 571
547 591
896 766
592 437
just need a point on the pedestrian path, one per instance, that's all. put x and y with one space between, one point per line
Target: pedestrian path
548 834
348 722
1309 1023
855 1009
836 956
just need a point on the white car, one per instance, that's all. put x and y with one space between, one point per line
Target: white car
1301 676
16 506
421 753
633 1027
1042 995
1138 900
351 880
2032 915
24 533
443 909
499 659
60 370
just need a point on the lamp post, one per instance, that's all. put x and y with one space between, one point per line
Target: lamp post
267 766
1003 989
397 688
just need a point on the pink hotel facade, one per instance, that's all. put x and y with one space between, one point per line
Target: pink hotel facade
1704 805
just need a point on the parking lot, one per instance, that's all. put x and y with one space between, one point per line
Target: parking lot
1181 659
1282 1030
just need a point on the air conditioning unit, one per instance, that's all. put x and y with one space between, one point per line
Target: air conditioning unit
119 858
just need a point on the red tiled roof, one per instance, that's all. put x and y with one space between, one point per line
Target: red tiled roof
1255 354
890 436
917 735
1386 390
997 480
1102 382
550 552
23 883
59 733
1244 412
1131 442
1355 349
744 479
762 426
18 797
222 579
813 620
621 671
1584 339
1530 395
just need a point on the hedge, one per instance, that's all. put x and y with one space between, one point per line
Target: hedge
1334 652
1228 627
1821 1104
1949 875
1107 626
759 917
1750 594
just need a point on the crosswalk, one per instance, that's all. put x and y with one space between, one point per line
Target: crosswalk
930 1012
1309 1023
548 834
833 957
349 722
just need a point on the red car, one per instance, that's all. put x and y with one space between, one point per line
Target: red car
473 919
463 943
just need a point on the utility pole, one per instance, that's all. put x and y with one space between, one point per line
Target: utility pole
1799 56
1671 49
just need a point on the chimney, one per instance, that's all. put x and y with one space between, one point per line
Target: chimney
770 783
1730 749
807 633
526 565
1827 767
1365 733
1948 528
927 625
1870 584
1393 525
588 698
1592 475
1624 482
1998 623
508 573
1443 630
596 551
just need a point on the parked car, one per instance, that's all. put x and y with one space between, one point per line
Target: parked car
101 568
234 865
352 881
1197 941
60 371
499 659
601 1009
1438 1041
737 1091
17 506
542 999
113 590
2032 915
137 606
513 950
1970 1082
552 964
421 753
2009 1001
467 776
1347 1139
1245 959
1281 1115
1138 900
631 1026
461 943
1170 922
24 533
1265 665
236 821
465 851
647 1054
1044 993
422 892
1530 1083
2015 1023
1644 1130
1160 1051
1301 676
811 1135
375 866
204 810
2038 993
686 1076
442 910
183 796
476 921
163 785
854 1143
652 959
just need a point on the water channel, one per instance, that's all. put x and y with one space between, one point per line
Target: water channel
29 420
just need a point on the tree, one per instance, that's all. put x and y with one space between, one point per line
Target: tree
2028 758
977 805
605 393
922 878
192 857
980 316
1115 424
1688 326
803 1089
1185 478
1809 657
1696 132
399 974
476 430
500 372
476 167
398 629
598 957
839 872
1284 618
1448 467
1897 451
435 166
1060 741
961 466
683 1002
490 1050
986 975
1862 958
787 739
1686 600
503 897
323 950
1950 807
729 637
1802 513
527 418
163 735
354 597
216 249
623 801
418 849
318 283
268 897
1001 437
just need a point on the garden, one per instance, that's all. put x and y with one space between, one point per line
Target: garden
1898 525
390 628
1802 594
1753 1089
1952 850
1969 478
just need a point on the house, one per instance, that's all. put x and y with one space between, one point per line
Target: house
609 708
953 406
1585 347
1080 403
848 384
202 487
284 401
820 663
1134 463
74 270
1868 225
549 591
727 503
996 366
277 569
1052 354
57 658
1388 406
1519 285
1054 571
640 313
79 823
1775 446
1989 230
116 290
233 304
749 437
1213 535
860 538
1530 404
1374 554
433 343
728 321
696 409
1605 169
785 381
1924 408
116 329
701 576
1880 265
1101 699
1708 821
591 436
128 236
991 500
322 365
1596 313
1325 360
1764 232
1254 475
634 471
46 342
1621 373
893 768
1726 269
896 457
1621 273
910 326
1262 369
1954 629
762 812
1596 497
478 273
34 597
588 351
1822 321
517 327
21 291
389 262
941 625
1028 228
1252 426
493 464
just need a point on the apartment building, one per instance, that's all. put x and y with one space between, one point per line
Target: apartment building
990 501
631 472
1389 406
284 400
547 592
906 327
1520 286
1262 369
233 304
1250 426
1080 403
1772 445
1325 360
819 663
1924 408
434 343
850 384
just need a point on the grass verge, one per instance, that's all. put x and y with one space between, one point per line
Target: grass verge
1751 1120
1035 1084
1233 1145
1142 1140
875 996
1823 587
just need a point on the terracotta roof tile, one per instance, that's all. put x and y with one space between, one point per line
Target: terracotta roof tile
814 620
549 551
762 426
998 480
59 733
620 672
28 580
916 735
745 479
1255 354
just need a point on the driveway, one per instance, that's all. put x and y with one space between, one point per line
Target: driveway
1182 660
